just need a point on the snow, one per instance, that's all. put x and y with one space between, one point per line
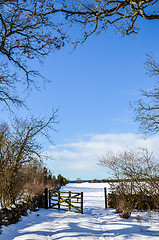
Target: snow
95 223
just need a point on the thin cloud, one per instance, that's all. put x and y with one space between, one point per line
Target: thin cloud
79 158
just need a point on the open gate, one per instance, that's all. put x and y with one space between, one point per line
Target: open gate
66 201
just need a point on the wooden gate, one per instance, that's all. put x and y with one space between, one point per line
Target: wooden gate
66 201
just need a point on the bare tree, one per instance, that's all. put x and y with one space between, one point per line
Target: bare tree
31 29
131 164
8 93
147 108
19 146
97 15
137 173
27 32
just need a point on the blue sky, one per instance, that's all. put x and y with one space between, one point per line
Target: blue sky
92 86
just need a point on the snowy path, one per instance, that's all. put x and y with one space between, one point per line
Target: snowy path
95 223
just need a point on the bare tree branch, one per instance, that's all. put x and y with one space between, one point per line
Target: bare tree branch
97 15
147 108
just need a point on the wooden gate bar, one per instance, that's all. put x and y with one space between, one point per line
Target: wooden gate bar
59 200
69 202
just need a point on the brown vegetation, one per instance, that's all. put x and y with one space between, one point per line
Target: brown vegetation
137 183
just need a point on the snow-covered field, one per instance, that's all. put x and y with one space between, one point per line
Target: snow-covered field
95 223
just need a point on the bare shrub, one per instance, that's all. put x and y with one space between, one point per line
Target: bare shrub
138 183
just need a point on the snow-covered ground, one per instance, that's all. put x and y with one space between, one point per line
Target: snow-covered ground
95 223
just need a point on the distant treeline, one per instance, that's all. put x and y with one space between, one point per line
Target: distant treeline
109 180
127 180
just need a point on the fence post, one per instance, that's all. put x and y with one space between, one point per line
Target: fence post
81 202
105 196
59 200
46 198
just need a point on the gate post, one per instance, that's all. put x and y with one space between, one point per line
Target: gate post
46 198
105 196
50 199
81 202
